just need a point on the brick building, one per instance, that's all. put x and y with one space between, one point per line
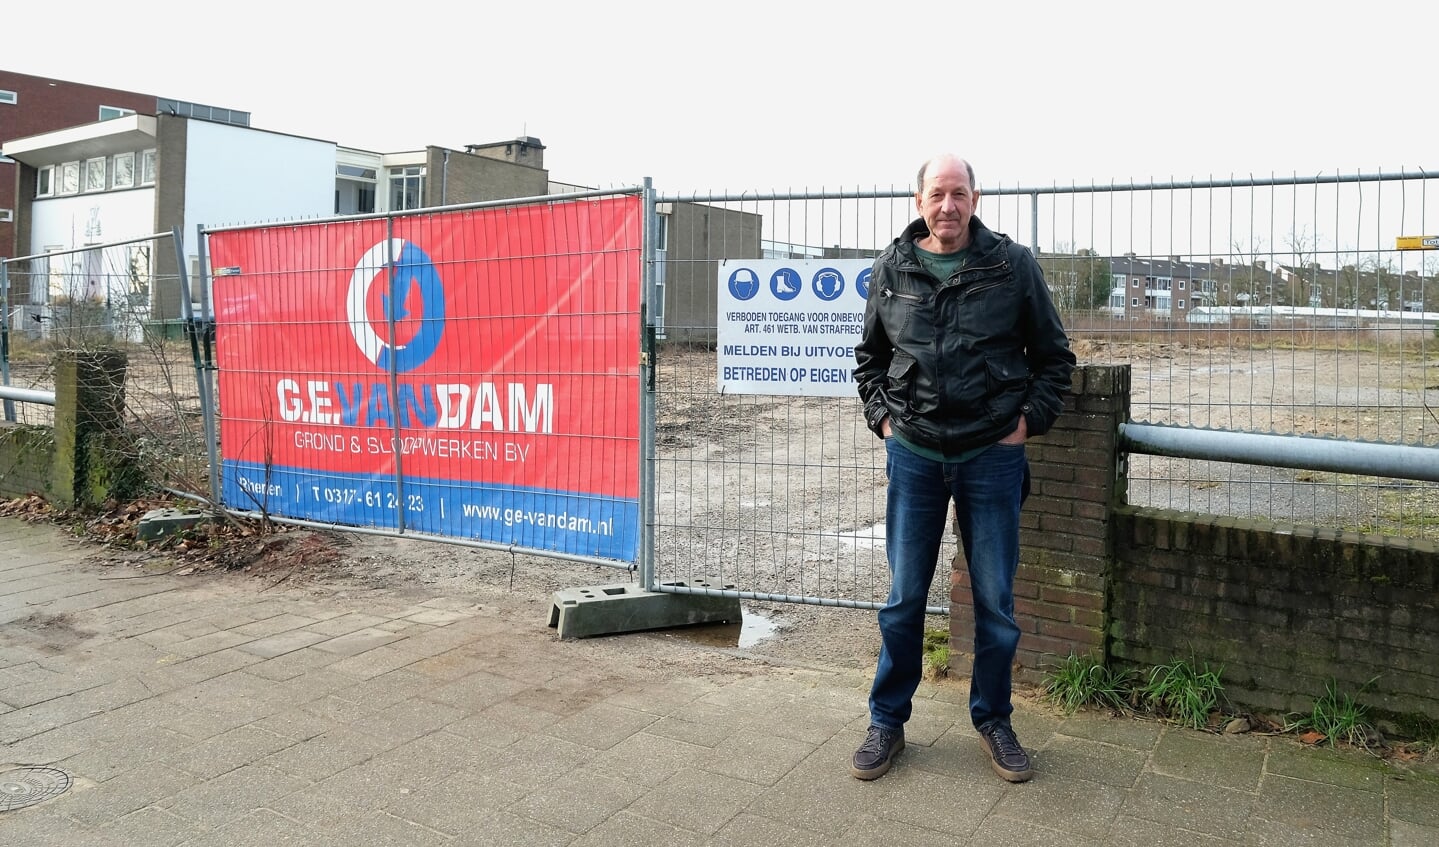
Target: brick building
30 105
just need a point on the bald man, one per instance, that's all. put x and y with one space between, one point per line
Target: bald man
962 358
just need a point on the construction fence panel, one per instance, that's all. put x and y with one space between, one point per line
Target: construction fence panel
468 374
1280 305
107 295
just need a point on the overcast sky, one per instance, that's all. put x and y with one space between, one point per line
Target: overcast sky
743 95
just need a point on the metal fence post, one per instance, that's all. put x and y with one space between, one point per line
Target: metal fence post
203 378
5 337
647 392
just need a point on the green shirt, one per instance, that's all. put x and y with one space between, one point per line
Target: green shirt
941 266
935 455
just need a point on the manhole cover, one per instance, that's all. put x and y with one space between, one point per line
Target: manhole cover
27 786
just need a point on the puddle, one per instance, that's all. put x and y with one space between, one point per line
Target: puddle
754 629
869 536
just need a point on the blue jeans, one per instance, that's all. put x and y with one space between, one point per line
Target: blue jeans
987 492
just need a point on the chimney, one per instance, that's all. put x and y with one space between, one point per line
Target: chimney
1259 263
1219 262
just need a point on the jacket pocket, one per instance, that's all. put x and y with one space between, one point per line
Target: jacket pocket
902 369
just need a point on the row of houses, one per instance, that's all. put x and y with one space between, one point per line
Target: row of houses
1133 287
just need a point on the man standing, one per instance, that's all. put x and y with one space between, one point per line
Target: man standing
962 358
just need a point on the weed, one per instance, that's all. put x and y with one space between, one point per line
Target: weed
1337 717
1179 692
936 653
1084 681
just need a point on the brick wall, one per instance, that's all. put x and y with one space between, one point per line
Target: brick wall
26 456
1282 608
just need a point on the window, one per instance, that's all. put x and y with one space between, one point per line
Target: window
1181 284
147 167
1181 304
354 189
45 181
95 174
407 187
108 112
69 178
662 232
9 97
1134 283
6 215
1134 302
122 171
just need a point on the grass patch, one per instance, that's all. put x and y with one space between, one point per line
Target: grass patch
1176 691
1085 681
1181 693
936 653
1336 717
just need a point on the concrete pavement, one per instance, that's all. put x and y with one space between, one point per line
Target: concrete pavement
226 710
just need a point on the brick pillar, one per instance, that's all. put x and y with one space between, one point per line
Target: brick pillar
89 404
1065 544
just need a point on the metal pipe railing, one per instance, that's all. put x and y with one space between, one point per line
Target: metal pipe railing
1365 458
27 395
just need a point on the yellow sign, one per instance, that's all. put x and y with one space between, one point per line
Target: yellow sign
1417 242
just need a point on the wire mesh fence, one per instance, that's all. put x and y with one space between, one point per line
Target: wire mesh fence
1273 305
102 296
1277 305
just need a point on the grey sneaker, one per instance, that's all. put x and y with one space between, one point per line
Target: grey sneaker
876 754
1005 755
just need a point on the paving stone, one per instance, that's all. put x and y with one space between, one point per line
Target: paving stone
875 830
356 642
453 804
282 643
372 663
346 624
1405 834
227 751
316 758
697 800
1181 803
600 726
745 830
149 826
1222 760
1414 799
232 795
408 720
1077 807
143 786
1137 832
1066 757
757 758
648 760
502 829
1346 812
636 831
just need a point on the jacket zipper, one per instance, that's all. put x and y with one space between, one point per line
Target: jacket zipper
890 292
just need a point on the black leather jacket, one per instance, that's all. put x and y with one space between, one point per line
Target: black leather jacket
955 362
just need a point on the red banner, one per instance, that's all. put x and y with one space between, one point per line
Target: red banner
475 371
